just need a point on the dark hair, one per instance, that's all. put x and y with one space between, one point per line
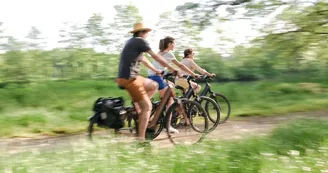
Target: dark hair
136 34
164 43
188 52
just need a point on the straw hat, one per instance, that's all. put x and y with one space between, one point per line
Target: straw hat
139 27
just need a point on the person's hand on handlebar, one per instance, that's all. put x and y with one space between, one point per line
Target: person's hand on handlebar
179 74
196 76
212 75
172 70
159 72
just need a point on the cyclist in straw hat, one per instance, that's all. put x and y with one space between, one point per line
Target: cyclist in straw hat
140 89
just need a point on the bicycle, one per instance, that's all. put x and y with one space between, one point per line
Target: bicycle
163 116
163 119
221 100
214 116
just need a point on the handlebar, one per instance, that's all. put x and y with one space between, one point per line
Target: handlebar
206 77
201 77
187 77
167 75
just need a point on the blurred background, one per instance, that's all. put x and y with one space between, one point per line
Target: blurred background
237 40
270 58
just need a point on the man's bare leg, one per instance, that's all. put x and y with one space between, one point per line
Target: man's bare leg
145 109
151 88
196 87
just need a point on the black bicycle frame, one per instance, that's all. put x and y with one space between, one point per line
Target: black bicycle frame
190 92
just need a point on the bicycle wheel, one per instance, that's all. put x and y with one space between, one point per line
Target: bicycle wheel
133 124
188 133
92 121
176 119
90 128
224 105
213 111
150 135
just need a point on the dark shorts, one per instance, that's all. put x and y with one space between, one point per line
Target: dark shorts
161 83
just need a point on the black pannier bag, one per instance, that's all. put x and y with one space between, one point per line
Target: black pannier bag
109 112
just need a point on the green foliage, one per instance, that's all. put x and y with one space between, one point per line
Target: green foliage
57 64
126 16
96 31
2 37
299 46
182 28
300 135
73 36
34 40
15 67
53 107
214 63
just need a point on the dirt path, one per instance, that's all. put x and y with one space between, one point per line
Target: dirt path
233 129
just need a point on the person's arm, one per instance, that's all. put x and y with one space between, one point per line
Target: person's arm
183 67
161 60
148 64
199 69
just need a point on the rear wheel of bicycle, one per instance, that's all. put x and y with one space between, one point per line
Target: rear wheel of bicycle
224 105
196 130
90 129
155 131
92 122
133 124
213 111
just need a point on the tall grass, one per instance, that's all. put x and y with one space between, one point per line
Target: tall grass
58 107
301 146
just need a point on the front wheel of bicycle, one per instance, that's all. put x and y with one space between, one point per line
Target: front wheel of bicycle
213 111
191 133
224 105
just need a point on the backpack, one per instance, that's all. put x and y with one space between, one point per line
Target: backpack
109 112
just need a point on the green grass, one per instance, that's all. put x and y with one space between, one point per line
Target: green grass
294 148
62 107
271 97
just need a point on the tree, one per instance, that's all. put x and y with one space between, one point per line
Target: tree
73 36
15 68
297 31
95 30
204 12
12 44
2 37
34 41
126 16
172 24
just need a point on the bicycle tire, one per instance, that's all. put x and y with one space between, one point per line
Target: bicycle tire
213 117
224 114
160 123
201 132
133 125
92 121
